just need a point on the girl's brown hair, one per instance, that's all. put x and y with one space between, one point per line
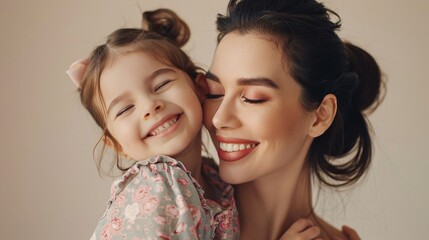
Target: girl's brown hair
162 35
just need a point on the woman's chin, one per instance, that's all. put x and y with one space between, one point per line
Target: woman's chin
231 175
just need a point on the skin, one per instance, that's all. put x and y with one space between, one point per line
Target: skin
254 101
140 94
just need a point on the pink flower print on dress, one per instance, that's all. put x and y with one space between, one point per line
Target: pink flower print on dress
113 213
131 212
157 178
194 232
172 211
144 175
149 205
226 222
180 228
105 233
162 236
187 193
180 201
116 225
152 168
181 204
183 181
133 170
159 189
141 193
161 220
120 200
196 214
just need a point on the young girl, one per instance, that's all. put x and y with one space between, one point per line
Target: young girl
144 93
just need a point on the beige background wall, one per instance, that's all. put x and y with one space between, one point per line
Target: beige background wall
49 184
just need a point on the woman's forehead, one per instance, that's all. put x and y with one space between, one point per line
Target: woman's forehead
247 55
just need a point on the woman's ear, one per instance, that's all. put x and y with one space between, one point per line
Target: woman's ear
202 87
325 115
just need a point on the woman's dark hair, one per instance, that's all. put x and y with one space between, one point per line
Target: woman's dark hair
321 63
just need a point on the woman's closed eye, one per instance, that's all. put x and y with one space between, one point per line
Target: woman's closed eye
124 110
253 101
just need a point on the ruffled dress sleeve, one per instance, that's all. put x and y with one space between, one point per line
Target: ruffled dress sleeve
156 199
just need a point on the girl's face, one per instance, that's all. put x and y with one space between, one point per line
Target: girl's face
253 110
152 108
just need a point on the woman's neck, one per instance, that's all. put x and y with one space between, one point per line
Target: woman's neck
269 205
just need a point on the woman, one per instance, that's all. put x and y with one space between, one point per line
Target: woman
287 98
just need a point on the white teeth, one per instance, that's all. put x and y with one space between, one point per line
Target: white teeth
163 127
231 147
236 147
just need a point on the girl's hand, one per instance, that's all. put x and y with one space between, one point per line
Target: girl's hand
303 229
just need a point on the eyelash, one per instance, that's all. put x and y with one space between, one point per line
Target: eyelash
213 96
162 85
156 89
246 100
124 110
253 101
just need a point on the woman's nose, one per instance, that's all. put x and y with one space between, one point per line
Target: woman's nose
226 115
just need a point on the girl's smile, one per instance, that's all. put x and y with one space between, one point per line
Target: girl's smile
165 126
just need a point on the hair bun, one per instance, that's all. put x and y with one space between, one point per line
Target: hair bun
371 89
166 23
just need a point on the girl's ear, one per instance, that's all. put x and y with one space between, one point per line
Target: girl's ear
109 142
325 115
202 87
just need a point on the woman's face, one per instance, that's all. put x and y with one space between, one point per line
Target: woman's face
253 110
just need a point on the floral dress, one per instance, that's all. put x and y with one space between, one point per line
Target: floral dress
158 199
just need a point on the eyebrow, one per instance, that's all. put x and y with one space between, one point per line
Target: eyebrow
266 82
257 81
152 76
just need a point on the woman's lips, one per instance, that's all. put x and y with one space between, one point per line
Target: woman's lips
234 149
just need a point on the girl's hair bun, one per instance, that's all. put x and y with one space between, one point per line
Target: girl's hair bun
166 23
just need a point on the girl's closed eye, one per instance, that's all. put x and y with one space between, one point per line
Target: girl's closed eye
124 110
215 90
162 85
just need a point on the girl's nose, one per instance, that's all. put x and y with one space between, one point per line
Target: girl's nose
153 109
